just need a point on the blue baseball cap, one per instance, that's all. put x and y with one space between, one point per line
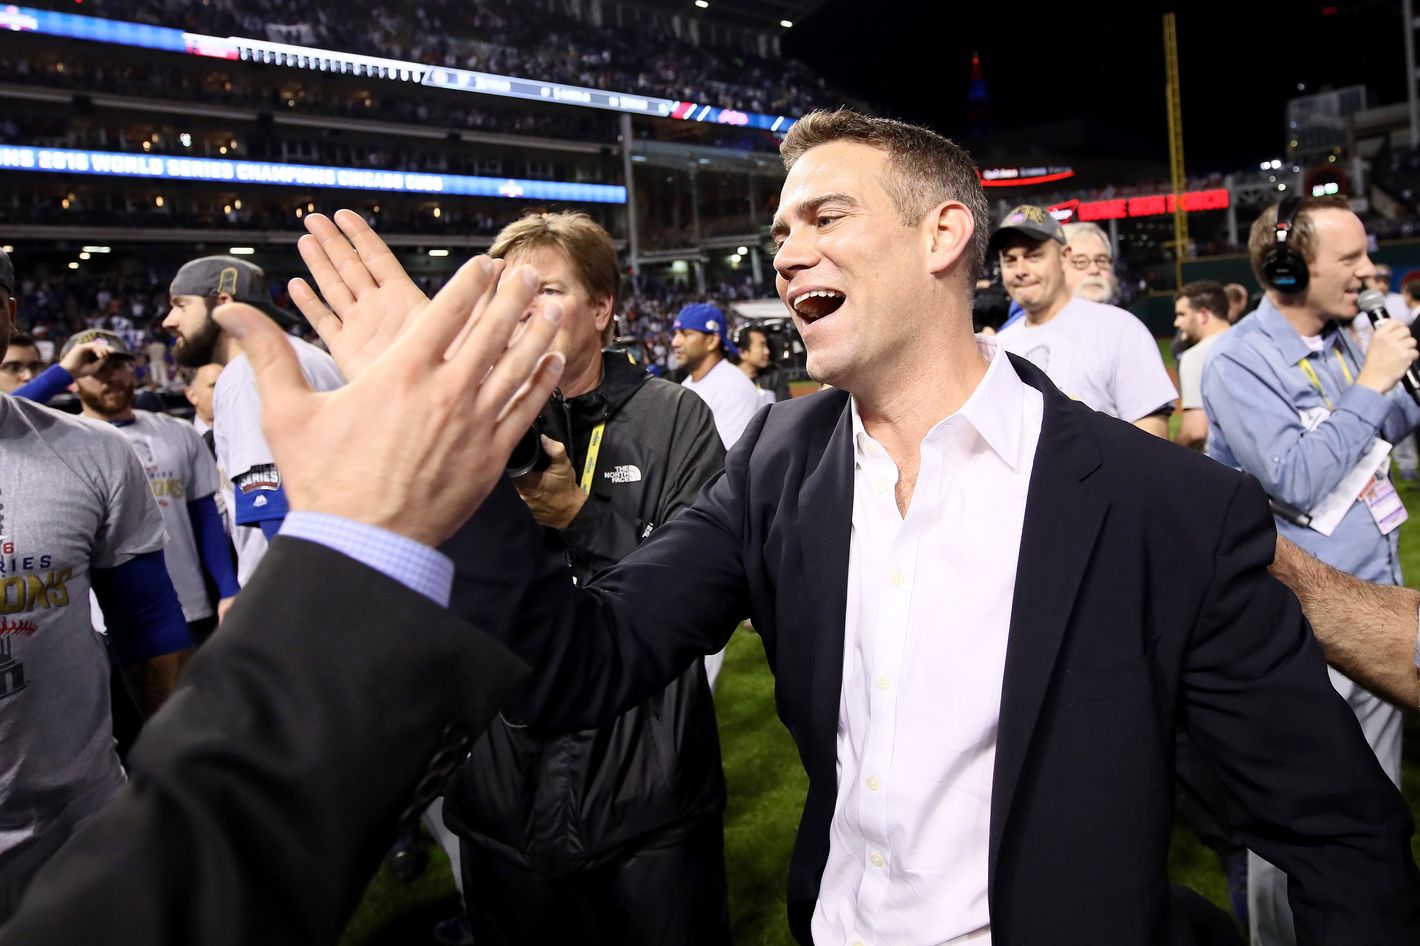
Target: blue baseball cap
704 317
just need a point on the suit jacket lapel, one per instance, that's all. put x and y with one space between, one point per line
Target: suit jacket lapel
1062 521
826 509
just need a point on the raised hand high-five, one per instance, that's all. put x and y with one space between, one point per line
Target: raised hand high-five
370 296
417 440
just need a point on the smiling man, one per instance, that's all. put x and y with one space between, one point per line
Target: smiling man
986 607
1095 353
1290 401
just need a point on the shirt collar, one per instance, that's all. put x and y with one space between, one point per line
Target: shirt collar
1289 344
993 410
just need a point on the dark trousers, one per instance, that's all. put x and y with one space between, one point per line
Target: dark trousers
660 894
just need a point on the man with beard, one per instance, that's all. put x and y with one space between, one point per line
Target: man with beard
183 479
259 503
1290 401
75 514
1095 353
1200 316
1089 272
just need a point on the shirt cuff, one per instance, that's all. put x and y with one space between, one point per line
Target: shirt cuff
413 564
1372 407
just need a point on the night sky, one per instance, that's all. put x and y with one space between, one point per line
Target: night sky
1103 63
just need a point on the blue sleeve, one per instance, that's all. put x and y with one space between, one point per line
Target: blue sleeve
413 564
1297 466
270 527
212 545
258 497
45 385
141 609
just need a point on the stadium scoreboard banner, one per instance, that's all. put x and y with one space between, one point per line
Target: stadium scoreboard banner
144 36
159 167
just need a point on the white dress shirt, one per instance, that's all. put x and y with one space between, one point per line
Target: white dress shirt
928 613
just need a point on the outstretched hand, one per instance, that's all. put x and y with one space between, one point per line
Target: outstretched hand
417 440
371 298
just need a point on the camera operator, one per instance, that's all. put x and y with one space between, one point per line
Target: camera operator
757 361
611 835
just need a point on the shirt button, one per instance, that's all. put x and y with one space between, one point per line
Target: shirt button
873 783
896 579
857 942
880 487
883 683
877 859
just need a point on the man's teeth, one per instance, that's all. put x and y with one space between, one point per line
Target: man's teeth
816 294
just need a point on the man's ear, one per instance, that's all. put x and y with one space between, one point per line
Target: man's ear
950 227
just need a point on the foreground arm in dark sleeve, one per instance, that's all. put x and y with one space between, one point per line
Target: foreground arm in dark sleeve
600 650
1306 791
263 795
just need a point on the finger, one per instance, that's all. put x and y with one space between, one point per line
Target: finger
326 323
323 271
479 307
278 374
382 264
489 339
517 415
553 448
348 265
512 370
448 313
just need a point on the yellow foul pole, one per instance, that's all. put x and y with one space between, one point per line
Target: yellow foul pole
1180 216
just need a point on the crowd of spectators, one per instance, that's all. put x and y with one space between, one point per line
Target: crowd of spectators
506 38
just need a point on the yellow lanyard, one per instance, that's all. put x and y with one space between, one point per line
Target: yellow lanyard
1310 372
589 467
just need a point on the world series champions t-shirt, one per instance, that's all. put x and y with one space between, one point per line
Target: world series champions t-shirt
242 452
180 470
1099 354
72 497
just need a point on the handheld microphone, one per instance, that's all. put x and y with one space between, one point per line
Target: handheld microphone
1372 303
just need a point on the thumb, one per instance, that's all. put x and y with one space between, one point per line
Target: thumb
278 373
554 449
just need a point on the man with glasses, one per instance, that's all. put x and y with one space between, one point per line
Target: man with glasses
1095 353
1089 269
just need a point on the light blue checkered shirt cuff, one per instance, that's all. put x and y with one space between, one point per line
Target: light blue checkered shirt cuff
413 564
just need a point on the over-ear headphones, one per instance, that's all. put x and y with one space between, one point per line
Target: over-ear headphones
1284 268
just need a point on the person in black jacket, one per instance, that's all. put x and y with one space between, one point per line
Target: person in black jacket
614 834
610 835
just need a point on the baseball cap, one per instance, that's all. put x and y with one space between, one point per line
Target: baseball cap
704 317
7 273
118 348
1034 222
243 281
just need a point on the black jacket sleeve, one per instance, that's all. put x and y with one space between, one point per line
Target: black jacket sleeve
1306 791
264 793
601 650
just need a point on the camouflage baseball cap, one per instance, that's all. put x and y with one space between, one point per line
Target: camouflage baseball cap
118 348
243 281
1031 221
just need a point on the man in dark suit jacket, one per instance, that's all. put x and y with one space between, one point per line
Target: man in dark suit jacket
264 793
1140 600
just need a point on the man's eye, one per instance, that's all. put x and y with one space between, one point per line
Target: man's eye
551 291
826 219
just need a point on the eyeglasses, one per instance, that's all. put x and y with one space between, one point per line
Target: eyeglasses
16 367
1083 262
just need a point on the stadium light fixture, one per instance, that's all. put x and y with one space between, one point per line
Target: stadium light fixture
83 256
702 4
742 250
74 265
438 252
96 249
242 250
787 24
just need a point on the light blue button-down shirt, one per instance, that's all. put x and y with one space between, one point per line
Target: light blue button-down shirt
413 564
1255 392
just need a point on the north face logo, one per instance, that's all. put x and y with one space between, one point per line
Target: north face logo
627 473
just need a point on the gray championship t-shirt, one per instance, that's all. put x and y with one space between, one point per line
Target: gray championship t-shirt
72 497
179 470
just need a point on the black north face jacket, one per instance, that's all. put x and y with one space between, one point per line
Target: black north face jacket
574 802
